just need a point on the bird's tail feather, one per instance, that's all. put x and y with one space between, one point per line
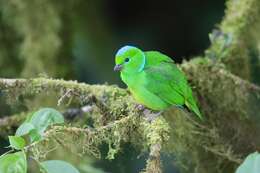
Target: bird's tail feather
193 107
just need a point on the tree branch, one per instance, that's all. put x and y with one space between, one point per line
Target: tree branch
237 37
9 123
222 97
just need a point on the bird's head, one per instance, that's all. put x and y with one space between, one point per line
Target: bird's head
129 59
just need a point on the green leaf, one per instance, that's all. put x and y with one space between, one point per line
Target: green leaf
16 142
28 129
251 164
13 163
24 129
46 117
34 135
38 122
55 166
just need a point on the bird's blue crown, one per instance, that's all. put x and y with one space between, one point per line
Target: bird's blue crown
122 50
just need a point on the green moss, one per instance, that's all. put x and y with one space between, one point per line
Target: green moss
229 107
232 42
230 124
7 124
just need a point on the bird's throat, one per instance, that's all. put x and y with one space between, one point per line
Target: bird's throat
130 79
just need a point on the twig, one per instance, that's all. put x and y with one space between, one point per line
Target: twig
62 97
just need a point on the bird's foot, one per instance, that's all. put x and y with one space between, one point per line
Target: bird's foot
140 107
150 116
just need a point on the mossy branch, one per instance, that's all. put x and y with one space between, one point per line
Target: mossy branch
222 97
219 91
237 37
114 115
9 123
82 141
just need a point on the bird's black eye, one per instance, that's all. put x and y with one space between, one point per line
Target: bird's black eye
127 60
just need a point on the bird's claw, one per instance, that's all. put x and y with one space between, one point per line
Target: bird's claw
150 116
140 107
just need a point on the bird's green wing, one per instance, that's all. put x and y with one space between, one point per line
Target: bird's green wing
155 58
164 79
160 81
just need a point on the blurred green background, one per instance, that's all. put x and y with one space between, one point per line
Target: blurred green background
77 40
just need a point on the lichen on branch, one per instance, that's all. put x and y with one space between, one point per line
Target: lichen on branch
115 119
189 138
236 41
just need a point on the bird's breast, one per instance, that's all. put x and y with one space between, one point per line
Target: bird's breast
138 87
133 80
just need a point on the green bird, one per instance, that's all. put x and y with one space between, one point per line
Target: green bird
154 80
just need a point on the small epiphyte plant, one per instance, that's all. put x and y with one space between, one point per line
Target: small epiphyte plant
28 134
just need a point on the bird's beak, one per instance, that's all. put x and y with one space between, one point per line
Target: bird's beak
118 67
